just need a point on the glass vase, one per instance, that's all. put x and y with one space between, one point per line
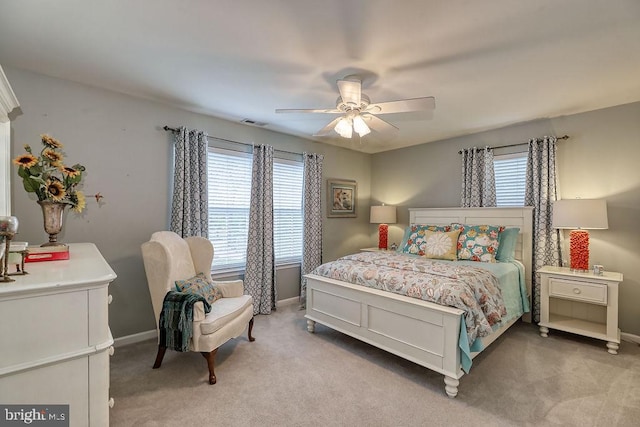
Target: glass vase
52 213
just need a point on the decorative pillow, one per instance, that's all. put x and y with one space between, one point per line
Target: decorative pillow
507 248
478 242
414 237
440 245
199 285
416 231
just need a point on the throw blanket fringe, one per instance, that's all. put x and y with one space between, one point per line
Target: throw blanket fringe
176 319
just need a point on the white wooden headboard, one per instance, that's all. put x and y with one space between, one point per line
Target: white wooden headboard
509 217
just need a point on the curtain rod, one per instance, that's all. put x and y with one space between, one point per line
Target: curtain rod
516 145
169 129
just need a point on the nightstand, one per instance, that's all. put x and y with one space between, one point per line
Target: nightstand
580 303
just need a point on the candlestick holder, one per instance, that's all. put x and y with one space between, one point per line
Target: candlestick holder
8 229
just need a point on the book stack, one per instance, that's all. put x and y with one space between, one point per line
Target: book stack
47 253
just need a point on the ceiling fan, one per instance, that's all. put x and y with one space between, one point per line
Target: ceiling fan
358 114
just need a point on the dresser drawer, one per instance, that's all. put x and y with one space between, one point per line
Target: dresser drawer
594 293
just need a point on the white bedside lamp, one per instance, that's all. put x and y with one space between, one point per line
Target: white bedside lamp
580 215
383 215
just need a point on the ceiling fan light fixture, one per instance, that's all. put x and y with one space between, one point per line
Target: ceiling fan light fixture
344 127
360 126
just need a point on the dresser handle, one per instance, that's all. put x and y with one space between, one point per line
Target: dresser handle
111 350
110 298
576 290
111 402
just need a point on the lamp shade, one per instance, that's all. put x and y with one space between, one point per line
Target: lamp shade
344 127
580 213
383 214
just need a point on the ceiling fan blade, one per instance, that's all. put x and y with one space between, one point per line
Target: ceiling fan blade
328 128
377 124
308 110
350 91
403 106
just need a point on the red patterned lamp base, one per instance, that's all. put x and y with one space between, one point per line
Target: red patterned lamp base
383 232
579 250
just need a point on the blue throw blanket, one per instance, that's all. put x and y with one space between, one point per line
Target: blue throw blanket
176 319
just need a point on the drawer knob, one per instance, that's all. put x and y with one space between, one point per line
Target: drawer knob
110 298
111 402
111 350
576 290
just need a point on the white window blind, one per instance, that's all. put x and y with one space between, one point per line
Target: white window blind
229 197
229 194
510 172
287 210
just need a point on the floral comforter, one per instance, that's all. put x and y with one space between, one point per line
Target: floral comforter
472 289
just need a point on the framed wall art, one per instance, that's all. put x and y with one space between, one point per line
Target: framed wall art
341 198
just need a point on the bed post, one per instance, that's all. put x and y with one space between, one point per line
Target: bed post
311 325
451 386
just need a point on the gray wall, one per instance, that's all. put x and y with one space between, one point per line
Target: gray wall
598 161
128 159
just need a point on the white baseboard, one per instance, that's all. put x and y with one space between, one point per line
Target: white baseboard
630 337
132 339
288 301
143 336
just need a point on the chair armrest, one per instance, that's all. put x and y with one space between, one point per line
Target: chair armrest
198 312
231 288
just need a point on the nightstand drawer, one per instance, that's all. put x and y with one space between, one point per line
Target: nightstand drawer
578 291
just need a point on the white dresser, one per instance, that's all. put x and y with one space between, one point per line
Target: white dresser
55 340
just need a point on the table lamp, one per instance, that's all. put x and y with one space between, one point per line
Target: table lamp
580 215
383 215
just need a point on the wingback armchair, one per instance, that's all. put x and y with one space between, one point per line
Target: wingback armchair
167 258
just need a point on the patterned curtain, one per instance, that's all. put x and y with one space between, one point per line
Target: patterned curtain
541 191
478 179
189 205
259 278
312 219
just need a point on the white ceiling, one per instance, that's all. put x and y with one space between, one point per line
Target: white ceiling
488 63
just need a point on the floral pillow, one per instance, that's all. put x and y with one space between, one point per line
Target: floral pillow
478 242
414 237
440 245
200 285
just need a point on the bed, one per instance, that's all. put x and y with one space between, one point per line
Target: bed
423 332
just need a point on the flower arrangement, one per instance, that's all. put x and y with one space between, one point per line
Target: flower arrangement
49 178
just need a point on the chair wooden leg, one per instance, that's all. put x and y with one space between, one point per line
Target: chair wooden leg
251 329
210 356
161 351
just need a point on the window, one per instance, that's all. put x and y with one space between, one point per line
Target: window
510 171
229 197
287 210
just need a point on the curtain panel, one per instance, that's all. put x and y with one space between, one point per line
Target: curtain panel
312 219
478 179
259 279
189 204
540 192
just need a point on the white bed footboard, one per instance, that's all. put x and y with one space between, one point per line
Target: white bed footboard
416 330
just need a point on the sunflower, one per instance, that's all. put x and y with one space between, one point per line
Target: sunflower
27 160
70 172
47 176
50 141
56 190
81 202
53 156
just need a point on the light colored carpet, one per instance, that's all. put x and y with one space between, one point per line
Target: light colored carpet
289 377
